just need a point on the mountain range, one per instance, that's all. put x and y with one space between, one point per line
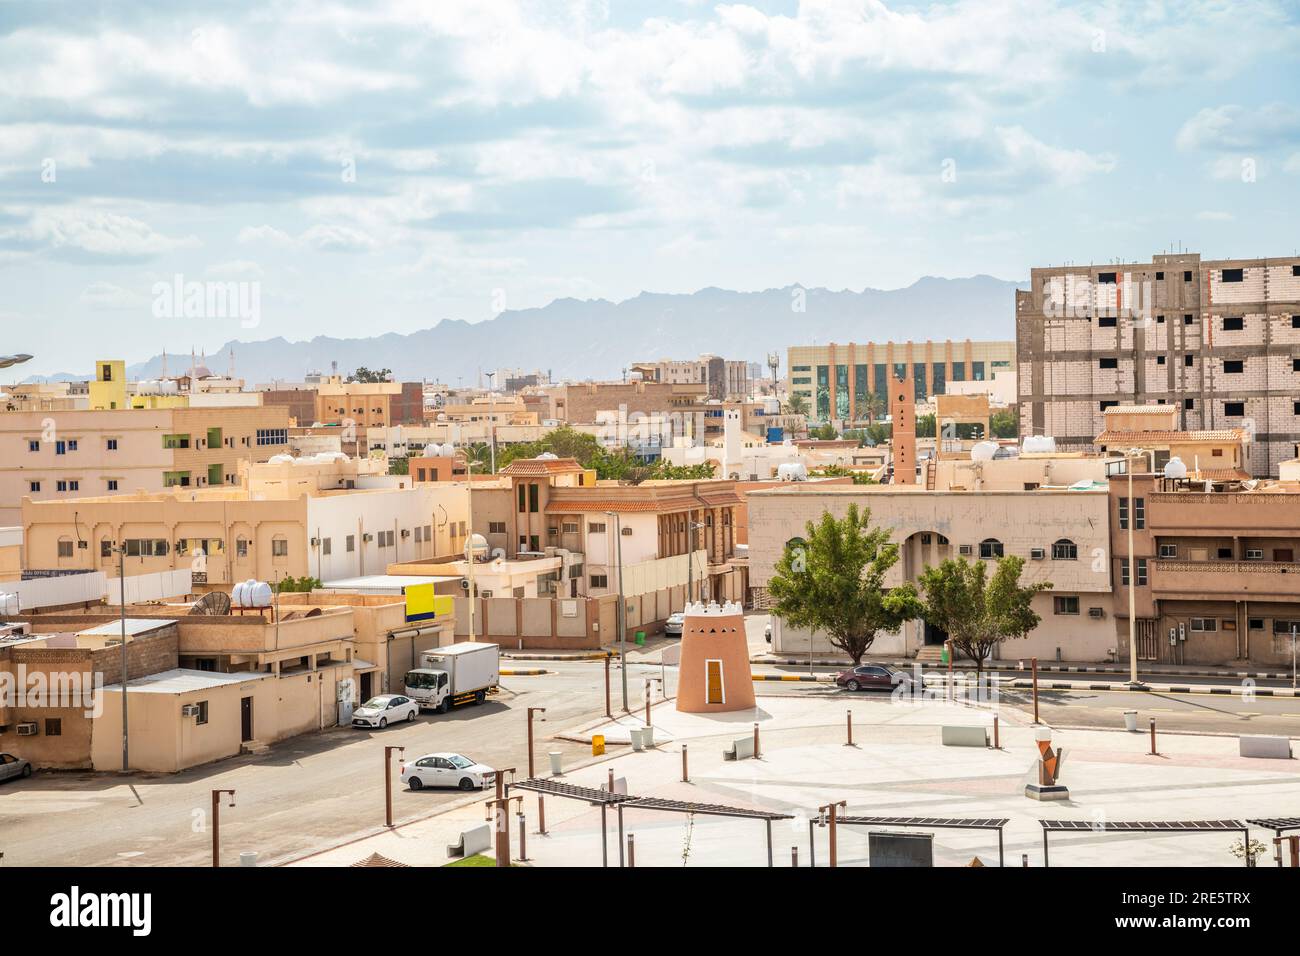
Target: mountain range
596 339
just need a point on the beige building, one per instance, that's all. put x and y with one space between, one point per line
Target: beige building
724 379
62 456
1063 535
1219 341
838 381
1218 455
292 517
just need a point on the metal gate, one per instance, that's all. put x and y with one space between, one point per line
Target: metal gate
1148 647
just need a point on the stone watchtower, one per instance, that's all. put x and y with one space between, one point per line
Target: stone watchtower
714 674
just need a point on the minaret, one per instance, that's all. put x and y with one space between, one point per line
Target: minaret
162 373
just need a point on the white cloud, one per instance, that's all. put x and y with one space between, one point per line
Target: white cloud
100 233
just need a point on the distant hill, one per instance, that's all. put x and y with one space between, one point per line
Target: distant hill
577 339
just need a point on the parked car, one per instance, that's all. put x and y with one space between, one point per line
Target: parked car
673 626
11 766
447 770
871 677
384 710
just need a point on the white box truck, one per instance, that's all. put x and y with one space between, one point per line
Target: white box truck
456 674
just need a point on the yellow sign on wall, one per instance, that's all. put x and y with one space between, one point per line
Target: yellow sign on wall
423 605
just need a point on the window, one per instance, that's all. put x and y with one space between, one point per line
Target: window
1188 361
428 532
1139 513
1295 321
53 727
33 486
350 544
1255 623
1187 320
111 444
112 484
1285 627
522 498
1295 271
1234 409
1233 275
326 547
569 527
273 436
1295 365
532 498
33 444
1233 366
1204 624
176 441
1224 554
1189 403
419 534
105 548
990 548
1108 363
65 549
202 716
241 547
1160 320
1295 410
1106 278
496 527
146 547
599 581
1105 405
1066 605
279 547
1142 572
72 444
1106 322
595 527
1160 276
60 486
1187 276
1233 323
1160 360
1065 550
1169 551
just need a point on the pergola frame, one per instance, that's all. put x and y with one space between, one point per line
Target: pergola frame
944 823
1145 826
604 799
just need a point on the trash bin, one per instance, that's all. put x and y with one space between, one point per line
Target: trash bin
1131 720
640 638
635 735
248 858
944 654
555 756
597 744
648 736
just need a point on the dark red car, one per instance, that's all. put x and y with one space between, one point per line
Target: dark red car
870 677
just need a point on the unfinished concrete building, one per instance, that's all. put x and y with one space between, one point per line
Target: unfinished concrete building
1219 340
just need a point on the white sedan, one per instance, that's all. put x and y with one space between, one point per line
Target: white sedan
384 710
447 770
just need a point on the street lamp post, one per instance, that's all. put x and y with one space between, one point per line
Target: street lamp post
121 582
622 606
216 823
470 548
388 783
532 772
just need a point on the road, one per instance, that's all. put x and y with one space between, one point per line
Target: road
308 792
320 790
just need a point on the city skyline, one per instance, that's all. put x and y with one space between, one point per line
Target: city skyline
406 165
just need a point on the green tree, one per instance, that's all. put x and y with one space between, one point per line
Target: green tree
978 612
824 432
925 426
666 470
363 374
289 583
833 582
839 471
868 406
796 404
399 466
1004 424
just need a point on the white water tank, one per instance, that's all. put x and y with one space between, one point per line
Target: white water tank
1175 469
447 450
9 604
983 451
281 460
792 471
1039 444
251 593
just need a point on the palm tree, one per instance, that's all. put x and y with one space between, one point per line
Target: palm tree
797 404
868 407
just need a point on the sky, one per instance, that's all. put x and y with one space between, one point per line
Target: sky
361 168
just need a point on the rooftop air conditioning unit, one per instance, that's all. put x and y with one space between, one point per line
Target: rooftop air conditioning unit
315 542
1038 554
1097 613
27 729
464 584
966 549
406 532
189 710
367 537
627 531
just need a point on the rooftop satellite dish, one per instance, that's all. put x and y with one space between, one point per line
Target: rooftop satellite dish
214 604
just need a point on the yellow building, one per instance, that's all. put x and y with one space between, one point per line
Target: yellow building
108 390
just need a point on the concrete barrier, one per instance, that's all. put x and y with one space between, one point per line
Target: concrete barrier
741 748
474 840
1261 746
954 736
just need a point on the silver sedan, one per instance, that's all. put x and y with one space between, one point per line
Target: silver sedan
11 766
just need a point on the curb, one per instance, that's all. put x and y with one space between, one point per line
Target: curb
1050 668
556 658
794 677
1021 684
529 672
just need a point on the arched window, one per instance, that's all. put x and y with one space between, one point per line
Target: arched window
1065 550
990 548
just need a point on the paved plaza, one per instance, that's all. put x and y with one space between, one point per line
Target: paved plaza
896 767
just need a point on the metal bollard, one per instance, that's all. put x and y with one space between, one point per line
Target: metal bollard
794 857
849 715
556 769
541 814
523 836
631 850
1154 752
686 777
755 740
